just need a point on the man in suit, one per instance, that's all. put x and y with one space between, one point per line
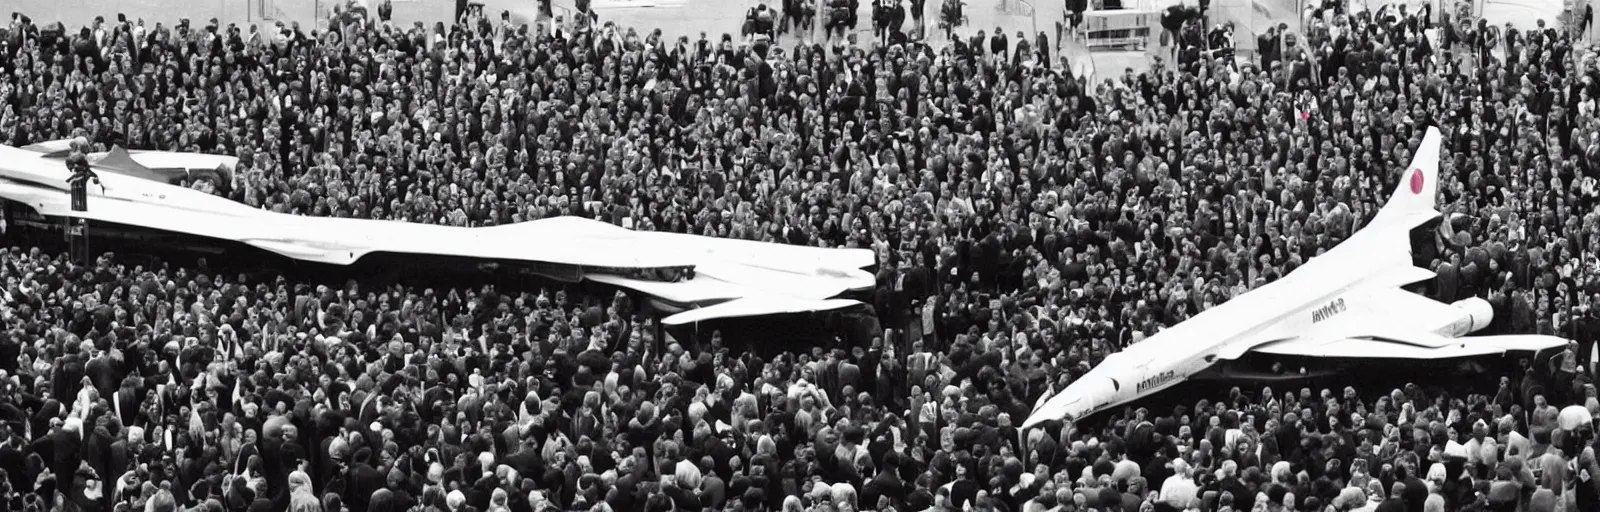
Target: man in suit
988 262
886 294
103 372
362 480
97 448
910 290
68 376
828 377
628 495
13 459
64 444
998 45
849 374
897 20
887 373
1416 490
885 484
1267 44
526 459
1587 333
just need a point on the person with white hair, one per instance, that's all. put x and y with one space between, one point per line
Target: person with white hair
1179 490
301 498
1281 473
793 504
1350 498
843 495
687 474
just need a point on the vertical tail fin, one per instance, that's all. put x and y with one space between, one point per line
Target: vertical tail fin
1415 199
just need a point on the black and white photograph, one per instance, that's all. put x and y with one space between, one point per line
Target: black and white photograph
799 255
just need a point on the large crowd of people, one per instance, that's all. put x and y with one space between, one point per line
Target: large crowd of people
1029 223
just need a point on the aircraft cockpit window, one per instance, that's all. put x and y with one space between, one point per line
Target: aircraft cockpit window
1117 386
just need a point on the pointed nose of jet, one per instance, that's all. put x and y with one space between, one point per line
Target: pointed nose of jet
1081 399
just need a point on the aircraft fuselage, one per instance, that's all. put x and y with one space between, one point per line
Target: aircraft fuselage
1315 297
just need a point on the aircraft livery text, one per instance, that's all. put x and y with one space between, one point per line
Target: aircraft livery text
1329 311
1156 381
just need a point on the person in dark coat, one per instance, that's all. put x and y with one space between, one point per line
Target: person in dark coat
68 376
526 459
683 497
998 44
1587 333
1243 498
65 446
124 453
886 483
964 490
1447 279
849 376
988 261
97 450
1415 493
1042 45
914 287
1588 481
104 372
13 461
1522 314
626 494
363 480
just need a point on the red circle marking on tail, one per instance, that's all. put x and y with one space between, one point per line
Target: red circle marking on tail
1416 181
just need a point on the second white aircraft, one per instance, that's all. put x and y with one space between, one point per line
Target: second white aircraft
1346 303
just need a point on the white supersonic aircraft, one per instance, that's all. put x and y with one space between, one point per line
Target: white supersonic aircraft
1345 304
719 278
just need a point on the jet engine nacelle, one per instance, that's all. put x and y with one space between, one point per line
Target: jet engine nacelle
1476 314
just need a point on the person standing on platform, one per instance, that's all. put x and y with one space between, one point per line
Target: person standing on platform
78 165
1588 21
